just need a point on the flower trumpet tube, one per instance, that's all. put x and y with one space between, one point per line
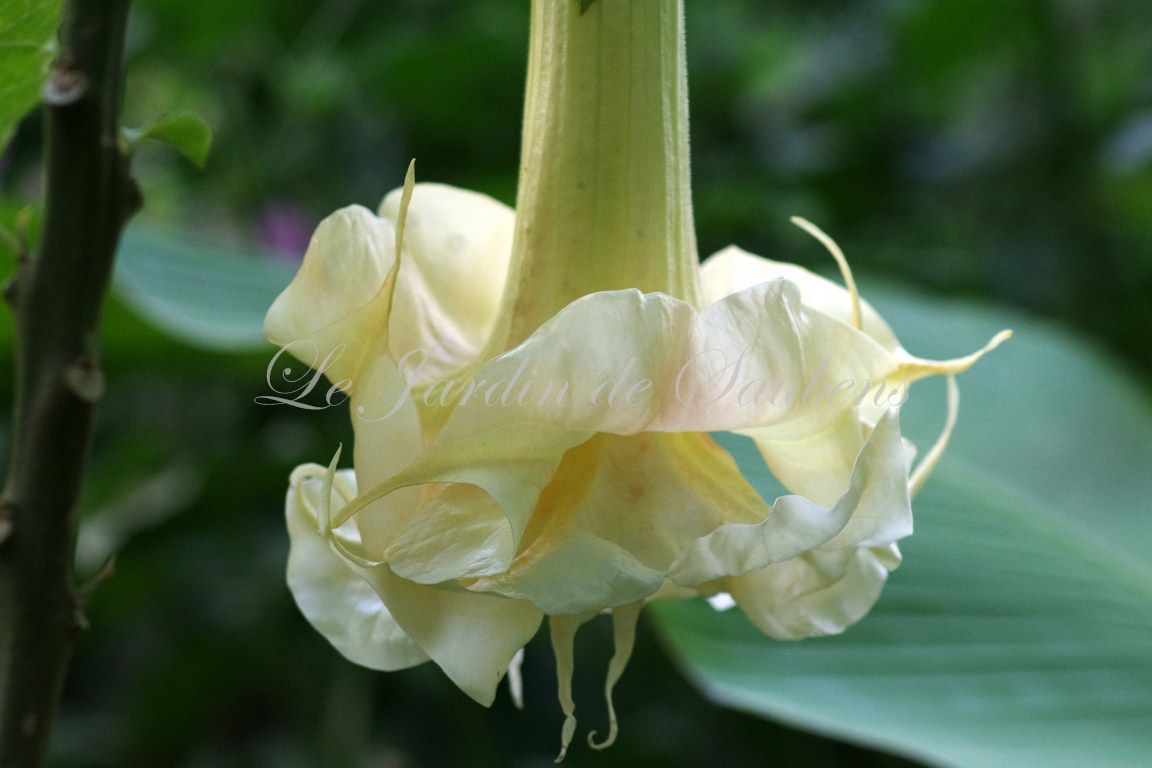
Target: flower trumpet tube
532 394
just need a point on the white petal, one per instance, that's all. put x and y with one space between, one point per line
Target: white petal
733 269
509 446
875 511
822 592
335 301
457 246
472 637
330 593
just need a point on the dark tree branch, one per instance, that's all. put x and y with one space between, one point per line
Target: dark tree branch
57 298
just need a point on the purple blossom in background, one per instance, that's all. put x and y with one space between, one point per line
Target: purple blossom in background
285 231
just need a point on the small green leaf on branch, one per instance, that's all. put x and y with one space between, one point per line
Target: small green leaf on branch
27 46
186 132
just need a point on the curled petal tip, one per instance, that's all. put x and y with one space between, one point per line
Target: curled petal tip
609 741
624 620
841 262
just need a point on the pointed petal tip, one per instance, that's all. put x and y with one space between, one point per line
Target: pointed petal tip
920 367
999 339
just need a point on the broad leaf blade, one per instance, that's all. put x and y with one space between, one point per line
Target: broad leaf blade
27 29
213 298
1018 630
1045 412
1001 641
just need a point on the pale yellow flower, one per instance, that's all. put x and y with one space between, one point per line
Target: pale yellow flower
532 396
472 521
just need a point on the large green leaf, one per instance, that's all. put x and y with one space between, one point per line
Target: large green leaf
26 47
210 297
1046 413
1018 632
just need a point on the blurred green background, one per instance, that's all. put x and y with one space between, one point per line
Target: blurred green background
985 148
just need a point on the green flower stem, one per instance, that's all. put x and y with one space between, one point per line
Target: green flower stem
56 298
604 200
